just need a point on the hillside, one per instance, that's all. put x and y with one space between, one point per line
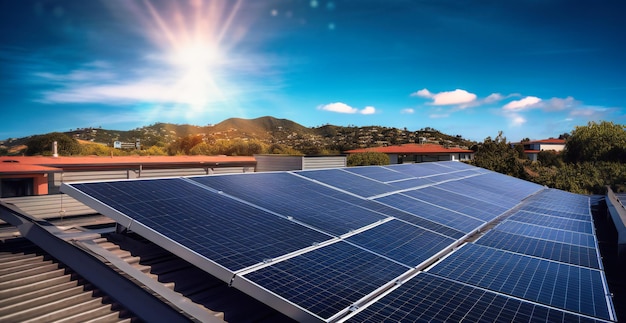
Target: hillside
266 129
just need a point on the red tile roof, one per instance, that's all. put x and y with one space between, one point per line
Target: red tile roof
547 141
411 149
17 168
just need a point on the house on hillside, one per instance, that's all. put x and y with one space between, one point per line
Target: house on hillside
532 148
419 153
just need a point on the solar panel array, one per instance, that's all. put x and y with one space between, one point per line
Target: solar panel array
377 243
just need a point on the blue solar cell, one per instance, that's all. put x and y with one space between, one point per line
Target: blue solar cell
449 218
556 201
410 183
577 255
226 231
378 173
428 298
475 208
416 220
560 285
493 196
303 200
531 207
402 242
348 182
458 165
551 234
552 222
515 188
420 170
328 280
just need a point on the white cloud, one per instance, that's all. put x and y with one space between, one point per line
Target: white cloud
368 110
457 96
493 97
439 115
517 120
407 111
525 103
340 107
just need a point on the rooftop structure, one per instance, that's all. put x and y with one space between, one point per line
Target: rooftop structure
417 153
346 244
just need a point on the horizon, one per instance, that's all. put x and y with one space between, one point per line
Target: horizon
530 69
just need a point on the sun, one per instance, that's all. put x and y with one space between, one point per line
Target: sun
196 57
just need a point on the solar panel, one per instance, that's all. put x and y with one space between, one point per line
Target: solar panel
327 243
425 169
232 234
472 207
449 218
461 187
328 280
378 173
348 182
279 191
550 234
576 255
428 298
556 284
410 183
402 242
552 222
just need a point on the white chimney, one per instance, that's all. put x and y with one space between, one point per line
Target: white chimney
55 150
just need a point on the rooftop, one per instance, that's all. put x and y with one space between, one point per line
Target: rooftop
411 149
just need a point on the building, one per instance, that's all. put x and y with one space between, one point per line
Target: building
37 175
418 153
532 148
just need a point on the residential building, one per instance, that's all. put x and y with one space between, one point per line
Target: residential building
418 153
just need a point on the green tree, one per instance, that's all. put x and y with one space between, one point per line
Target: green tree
604 141
550 158
368 158
42 145
183 146
498 155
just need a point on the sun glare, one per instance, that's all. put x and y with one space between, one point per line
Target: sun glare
195 39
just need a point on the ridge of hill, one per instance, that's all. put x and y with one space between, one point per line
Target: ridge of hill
266 129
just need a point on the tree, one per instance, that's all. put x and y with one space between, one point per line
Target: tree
42 145
183 146
368 158
498 155
595 142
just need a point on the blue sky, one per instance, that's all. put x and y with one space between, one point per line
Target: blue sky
531 68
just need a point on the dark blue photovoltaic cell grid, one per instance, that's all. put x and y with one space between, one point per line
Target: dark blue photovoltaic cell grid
493 196
410 183
348 182
551 234
230 233
290 195
475 208
455 220
560 285
531 207
402 242
552 222
378 173
576 255
449 176
512 187
415 220
419 170
457 165
560 201
428 298
328 280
